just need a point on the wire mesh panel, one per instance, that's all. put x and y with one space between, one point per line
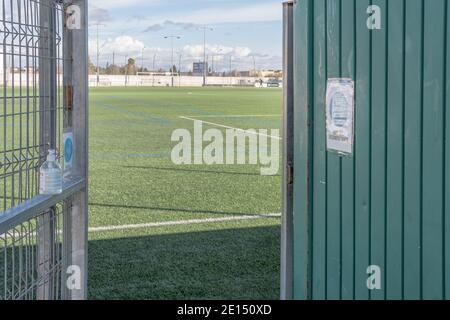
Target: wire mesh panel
41 81
28 272
28 96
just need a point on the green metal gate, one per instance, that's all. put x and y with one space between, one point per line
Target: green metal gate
385 204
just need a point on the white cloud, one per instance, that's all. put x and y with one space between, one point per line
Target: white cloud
170 24
250 13
125 45
188 19
97 14
111 4
128 46
196 51
242 51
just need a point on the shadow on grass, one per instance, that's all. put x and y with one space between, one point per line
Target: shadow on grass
197 171
118 206
224 264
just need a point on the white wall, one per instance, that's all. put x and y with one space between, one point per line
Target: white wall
2 69
165 81
157 81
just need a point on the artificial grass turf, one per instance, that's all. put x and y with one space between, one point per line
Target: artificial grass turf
132 181
232 260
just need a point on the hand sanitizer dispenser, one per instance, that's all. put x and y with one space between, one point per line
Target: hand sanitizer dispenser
50 176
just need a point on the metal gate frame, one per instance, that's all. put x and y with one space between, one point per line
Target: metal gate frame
43 239
286 265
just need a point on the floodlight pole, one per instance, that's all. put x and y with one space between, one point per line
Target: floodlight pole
153 73
126 70
213 66
142 60
204 57
98 24
231 71
205 28
172 37
179 70
98 58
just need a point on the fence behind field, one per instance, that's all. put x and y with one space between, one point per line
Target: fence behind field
19 79
166 81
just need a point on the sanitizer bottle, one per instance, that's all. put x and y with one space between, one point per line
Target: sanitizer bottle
50 176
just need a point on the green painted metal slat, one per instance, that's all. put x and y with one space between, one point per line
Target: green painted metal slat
395 111
379 146
319 222
348 164
333 180
447 166
362 151
302 149
433 89
413 134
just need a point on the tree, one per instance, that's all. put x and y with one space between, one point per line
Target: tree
113 69
91 67
130 68
143 70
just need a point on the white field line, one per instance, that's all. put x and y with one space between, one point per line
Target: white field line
228 127
168 223
238 116
183 222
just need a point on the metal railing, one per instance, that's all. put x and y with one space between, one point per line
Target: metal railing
43 91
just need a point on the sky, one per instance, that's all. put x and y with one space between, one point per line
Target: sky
246 32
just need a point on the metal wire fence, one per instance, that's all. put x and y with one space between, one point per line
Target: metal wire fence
29 272
41 80
29 97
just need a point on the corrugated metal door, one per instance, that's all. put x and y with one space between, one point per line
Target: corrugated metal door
387 204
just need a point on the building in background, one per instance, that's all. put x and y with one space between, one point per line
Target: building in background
198 68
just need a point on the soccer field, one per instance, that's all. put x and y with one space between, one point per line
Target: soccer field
162 231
